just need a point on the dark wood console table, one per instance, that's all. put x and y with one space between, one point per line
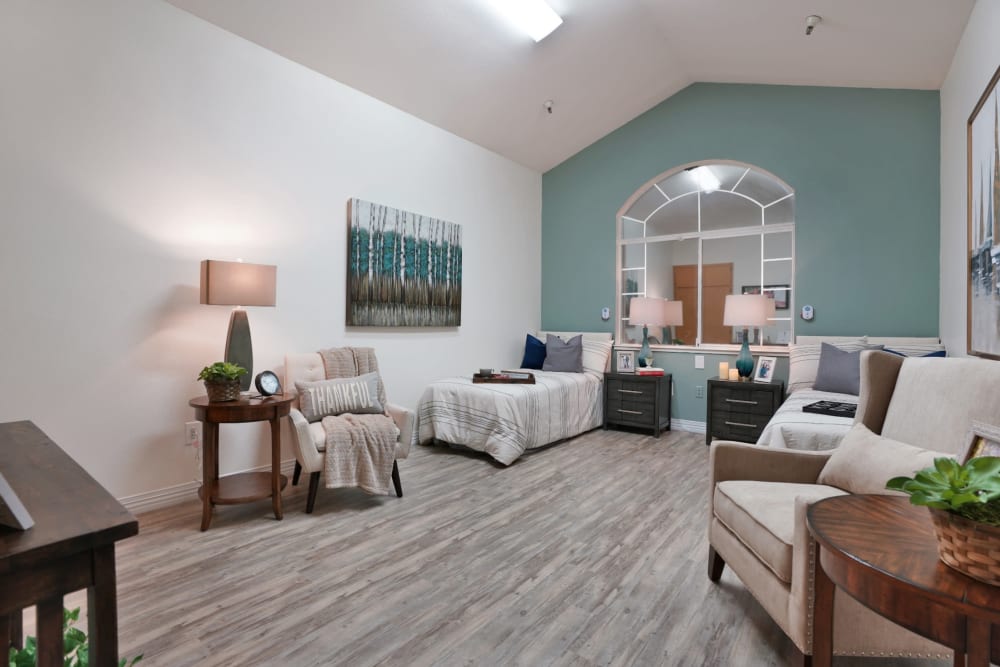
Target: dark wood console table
882 551
70 547
241 487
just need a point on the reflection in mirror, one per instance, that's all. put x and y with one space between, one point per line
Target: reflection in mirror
710 230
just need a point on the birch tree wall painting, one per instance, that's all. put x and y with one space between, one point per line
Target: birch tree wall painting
984 224
403 269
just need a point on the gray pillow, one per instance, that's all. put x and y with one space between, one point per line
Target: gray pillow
564 356
358 395
840 371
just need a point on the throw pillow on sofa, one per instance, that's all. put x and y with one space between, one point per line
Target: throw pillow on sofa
864 462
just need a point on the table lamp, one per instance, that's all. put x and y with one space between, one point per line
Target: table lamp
745 310
238 284
647 311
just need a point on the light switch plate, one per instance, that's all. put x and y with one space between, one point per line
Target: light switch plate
699 361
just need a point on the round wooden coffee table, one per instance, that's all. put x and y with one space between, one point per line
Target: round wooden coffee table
882 551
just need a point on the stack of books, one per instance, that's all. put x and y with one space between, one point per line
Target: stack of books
649 370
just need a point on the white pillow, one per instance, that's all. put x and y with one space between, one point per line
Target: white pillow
864 462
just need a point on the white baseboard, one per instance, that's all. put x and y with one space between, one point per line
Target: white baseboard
688 425
174 495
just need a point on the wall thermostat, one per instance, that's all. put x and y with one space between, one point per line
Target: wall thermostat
807 313
605 314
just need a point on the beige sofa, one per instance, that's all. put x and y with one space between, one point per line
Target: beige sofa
759 495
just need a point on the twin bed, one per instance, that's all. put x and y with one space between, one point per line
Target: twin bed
505 420
790 427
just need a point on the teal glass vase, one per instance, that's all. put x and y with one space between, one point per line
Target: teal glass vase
744 362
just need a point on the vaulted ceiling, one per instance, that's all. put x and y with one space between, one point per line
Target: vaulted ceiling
453 63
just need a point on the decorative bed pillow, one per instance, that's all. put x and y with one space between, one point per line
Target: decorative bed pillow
564 356
864 462
917 350
803 362
358 395
534 353
839 371
596 355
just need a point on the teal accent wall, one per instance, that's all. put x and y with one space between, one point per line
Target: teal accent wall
864 164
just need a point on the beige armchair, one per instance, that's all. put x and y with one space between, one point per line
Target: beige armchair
309 439
759 496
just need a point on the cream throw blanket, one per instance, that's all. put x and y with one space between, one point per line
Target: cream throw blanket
360 449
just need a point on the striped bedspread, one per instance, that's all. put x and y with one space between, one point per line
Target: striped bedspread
791 428
504 420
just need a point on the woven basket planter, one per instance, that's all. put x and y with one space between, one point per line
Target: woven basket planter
219 392
967 546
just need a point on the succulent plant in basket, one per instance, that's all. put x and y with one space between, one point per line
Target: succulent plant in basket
964 501
222 381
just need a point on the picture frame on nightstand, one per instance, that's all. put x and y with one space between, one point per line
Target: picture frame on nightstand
764 370
625 361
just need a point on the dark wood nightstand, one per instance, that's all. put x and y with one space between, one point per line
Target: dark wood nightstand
637 400
740 410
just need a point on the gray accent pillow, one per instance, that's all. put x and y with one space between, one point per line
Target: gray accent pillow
840 371
564 356
357 395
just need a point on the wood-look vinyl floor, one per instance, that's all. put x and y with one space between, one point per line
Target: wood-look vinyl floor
591 552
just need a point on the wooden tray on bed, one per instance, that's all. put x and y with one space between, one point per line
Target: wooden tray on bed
505 377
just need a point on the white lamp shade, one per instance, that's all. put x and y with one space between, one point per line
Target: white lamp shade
673 313
646 311
746 310
237 284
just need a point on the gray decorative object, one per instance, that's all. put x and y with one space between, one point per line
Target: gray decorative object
12 510
563 356
403 269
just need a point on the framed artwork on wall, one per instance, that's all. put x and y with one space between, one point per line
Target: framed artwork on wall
782 294
403 269
983 174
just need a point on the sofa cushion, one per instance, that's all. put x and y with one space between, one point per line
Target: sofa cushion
864 462
762 516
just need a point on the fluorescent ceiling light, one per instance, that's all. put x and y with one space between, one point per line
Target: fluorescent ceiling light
707 181
534 17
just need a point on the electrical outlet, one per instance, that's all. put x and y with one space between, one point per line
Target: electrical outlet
192 434
699 392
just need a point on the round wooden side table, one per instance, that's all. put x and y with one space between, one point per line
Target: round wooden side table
242 487
881 550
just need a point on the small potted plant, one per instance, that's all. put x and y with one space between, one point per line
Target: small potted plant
222 381
964 502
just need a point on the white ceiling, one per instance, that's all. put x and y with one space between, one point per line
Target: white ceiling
454 64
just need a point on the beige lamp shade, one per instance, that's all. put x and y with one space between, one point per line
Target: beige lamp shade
746 310
237 283
646 311
673 313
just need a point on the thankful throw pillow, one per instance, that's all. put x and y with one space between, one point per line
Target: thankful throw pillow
357 395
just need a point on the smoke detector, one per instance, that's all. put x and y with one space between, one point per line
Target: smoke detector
811 22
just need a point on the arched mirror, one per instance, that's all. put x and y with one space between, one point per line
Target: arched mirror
699 232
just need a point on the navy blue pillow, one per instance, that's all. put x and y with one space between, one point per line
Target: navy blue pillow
939 353
534 353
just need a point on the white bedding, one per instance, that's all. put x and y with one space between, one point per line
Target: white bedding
504 420
791 428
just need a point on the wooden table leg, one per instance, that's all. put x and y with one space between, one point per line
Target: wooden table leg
209 470
50 632
276 467
6 633
822 649
17 629
977 642
102 609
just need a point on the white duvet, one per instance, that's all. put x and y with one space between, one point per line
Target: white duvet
504 420
791 428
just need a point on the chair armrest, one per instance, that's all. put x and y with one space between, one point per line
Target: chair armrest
310 458
879 371
405 420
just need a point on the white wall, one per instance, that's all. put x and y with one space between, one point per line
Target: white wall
138 140
975 62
